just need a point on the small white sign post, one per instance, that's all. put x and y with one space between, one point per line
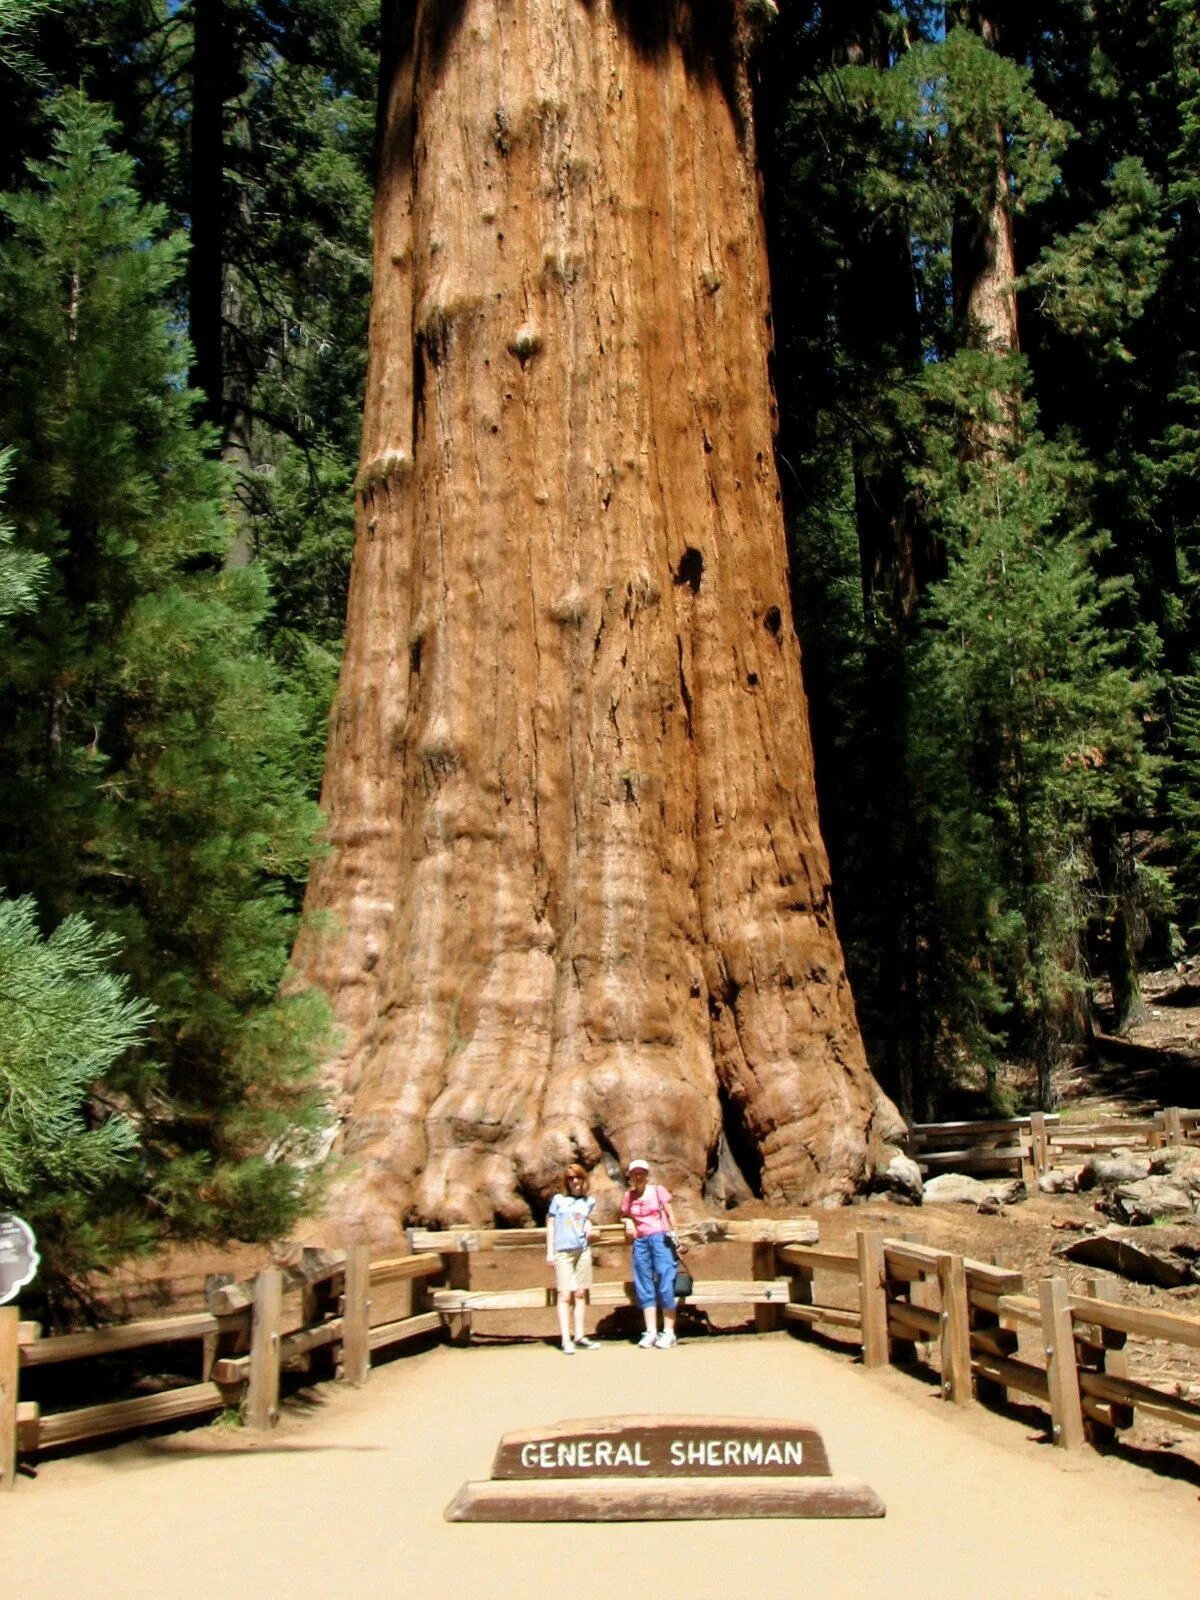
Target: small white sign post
18 1265
19 1259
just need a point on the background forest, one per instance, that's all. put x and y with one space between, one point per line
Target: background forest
984 224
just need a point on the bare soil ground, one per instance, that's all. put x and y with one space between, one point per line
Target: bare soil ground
345 1499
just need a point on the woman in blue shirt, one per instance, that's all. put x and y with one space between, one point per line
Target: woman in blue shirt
569 1230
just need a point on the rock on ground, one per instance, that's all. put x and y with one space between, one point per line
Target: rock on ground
1135 1259
1062 1180
899 1177
1149 1200
1113 1168
950 1188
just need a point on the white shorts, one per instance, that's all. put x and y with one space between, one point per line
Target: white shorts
573 1270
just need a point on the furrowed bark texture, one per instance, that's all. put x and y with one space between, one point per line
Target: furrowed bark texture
984 262
581 905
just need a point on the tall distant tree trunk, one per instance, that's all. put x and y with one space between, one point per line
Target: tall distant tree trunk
206 205
212 305
894 554
580 904
983 260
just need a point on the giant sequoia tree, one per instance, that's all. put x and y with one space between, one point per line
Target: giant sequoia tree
579 901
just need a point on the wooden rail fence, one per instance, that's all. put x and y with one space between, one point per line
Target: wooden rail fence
892 1296
1029 1146
1082 1375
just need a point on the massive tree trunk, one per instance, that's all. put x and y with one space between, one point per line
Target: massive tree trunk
580 904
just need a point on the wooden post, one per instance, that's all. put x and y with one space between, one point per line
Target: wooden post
262 1396
872 1298
902 1352
458 1276
800 1293
10 1357
1104 1417
987 1389
1172 1125
1040 1143
1062 1374
766 1318
232 1338
956 1330
318 1302
356 1316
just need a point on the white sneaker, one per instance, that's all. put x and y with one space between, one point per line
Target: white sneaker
665 1340
647 1341
568 1348
586 1344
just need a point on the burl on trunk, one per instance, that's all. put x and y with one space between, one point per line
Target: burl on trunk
578 905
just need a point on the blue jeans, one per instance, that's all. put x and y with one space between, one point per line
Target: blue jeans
654 1272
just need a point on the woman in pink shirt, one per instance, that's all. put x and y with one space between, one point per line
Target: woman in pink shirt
646 1209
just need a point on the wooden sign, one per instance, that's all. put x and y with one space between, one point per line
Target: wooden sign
19 1258
663 1447
661 1468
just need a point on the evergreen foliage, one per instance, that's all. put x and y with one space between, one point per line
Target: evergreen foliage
153 761
1026 734
22 572
981 706
69 1161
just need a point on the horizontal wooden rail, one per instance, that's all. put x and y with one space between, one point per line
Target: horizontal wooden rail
402 1269
1098 1144
907 1263
977 1155
447 1241
718 1292
983 1277
1126 1391
304 1340
1022 1375
835 1316
1017 1308
924 1130
1144 1324
236 1369
994 1341
794 1230
905 1320
1105 1130
120 1416
122 1336
806 1259
385 1334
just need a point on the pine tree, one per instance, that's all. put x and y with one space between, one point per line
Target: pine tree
22 572
69 1159
253 125
902 145
150 751
1027 733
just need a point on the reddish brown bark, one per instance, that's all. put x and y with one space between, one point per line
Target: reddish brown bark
984 257
581 905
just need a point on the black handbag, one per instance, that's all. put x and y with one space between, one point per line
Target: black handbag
683 1278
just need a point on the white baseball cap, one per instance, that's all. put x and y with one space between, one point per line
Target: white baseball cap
638 1165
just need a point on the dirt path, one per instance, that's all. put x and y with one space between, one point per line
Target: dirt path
346 1499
